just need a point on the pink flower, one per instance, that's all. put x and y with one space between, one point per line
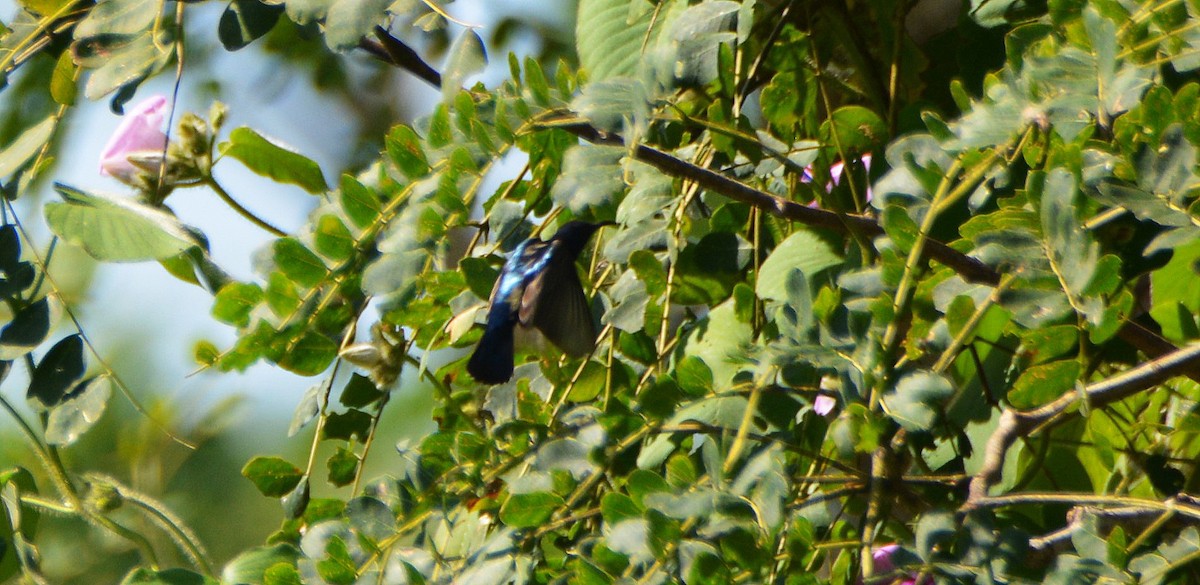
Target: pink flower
835 174
824 404
140 133
884 568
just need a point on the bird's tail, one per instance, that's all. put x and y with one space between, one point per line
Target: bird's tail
492 362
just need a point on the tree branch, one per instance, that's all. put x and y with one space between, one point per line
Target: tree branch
1018 423
1144 516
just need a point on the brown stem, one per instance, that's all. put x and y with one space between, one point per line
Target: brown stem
1018 423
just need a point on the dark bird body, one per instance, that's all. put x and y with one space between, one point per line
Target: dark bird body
537 288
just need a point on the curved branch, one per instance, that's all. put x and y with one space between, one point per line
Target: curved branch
1018 423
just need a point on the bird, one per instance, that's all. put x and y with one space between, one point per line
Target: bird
537 288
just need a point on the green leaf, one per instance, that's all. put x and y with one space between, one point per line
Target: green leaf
273 476
44 7
360 391
348 21
167 577
610 35
10 249
271 160
305 12
615 507
348 425
1175 301
253 566
591 178
310 355
298 263
616 105
371 518
1120 84
332 238
18 523
803 250
281 295
665 532
205 353
281 574
529 510
649 270
697 36
79 410
234 302
117 229
244 21
1070 246
480 275
467 56
643 482
338 567
680 471
590 383
900 227
717 340
295 502
694 376
854 129
1043 383
362 205
121 61
61 367
26 331
1047 343
707 271
795 318
404 148
118 17
342 466
307 408
62 82
917 400
26 146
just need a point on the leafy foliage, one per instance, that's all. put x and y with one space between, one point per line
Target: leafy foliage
811 368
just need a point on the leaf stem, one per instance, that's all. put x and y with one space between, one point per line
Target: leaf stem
180 534
242 211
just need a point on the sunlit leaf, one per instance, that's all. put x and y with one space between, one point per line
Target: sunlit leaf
272 160
350 20
467 57
26 146
79 411
117 229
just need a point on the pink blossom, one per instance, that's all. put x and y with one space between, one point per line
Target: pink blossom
885 567
835 175
824 404
140 133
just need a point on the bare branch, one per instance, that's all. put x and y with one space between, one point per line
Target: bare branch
1017 423
1129 516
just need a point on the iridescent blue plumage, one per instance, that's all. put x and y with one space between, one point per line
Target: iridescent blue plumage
539 288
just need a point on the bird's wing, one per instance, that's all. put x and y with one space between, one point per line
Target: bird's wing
555 303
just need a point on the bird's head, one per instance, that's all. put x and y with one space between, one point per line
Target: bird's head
574 235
